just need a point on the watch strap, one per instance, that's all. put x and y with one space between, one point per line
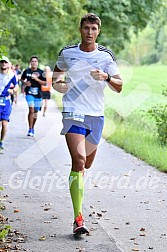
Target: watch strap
109 78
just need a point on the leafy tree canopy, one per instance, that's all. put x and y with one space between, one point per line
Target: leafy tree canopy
43 27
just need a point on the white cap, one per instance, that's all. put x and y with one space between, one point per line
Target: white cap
4 58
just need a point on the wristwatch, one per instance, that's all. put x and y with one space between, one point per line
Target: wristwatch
109 78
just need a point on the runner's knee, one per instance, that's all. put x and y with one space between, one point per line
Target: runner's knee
78 163
31 110
4 124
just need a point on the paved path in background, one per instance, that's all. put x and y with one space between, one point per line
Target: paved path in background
123 195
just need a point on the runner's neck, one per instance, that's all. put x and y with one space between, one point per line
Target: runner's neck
88 47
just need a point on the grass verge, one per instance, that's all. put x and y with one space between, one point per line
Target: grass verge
139 142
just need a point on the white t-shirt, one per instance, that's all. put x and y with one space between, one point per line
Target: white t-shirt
5 82
85 95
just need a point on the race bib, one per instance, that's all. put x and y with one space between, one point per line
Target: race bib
2 101
74 116
33 90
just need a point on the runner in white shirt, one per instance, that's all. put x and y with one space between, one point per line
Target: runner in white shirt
88 68
6 79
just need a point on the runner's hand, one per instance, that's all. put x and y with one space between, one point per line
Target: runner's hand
11 91
60 86
34 77
98 75
28 83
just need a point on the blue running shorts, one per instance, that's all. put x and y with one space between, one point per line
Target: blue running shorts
34 102
91 128
5 111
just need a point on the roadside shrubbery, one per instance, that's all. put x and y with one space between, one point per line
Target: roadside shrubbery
159 113
4 229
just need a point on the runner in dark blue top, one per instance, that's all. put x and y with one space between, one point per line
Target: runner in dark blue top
33 78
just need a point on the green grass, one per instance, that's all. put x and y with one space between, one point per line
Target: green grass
140 143
135 131
153 75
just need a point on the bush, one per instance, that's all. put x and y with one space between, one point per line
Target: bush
149 59
159 113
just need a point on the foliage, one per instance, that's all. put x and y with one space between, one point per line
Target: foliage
159 113
43 27
4 230
149 45
150 58
119 16
4 32
10 3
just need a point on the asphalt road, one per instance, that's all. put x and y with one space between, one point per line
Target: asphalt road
125 201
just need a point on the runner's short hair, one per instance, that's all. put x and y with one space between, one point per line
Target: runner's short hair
92 18
33 56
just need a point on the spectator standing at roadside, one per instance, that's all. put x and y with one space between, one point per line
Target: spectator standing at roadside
46 94
7 78
33 78
89 68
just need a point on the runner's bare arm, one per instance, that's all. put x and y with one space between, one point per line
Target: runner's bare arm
13 90
25 82
114 82
58 83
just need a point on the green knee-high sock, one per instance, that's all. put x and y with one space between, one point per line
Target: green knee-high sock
76 183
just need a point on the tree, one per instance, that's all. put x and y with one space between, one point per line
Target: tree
119 16
4 31
149 45
43 27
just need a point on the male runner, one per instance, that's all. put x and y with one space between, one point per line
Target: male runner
89 68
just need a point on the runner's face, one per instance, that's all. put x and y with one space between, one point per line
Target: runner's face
3 65
34 63
89 32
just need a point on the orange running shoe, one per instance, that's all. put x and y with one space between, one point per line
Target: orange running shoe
79 226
